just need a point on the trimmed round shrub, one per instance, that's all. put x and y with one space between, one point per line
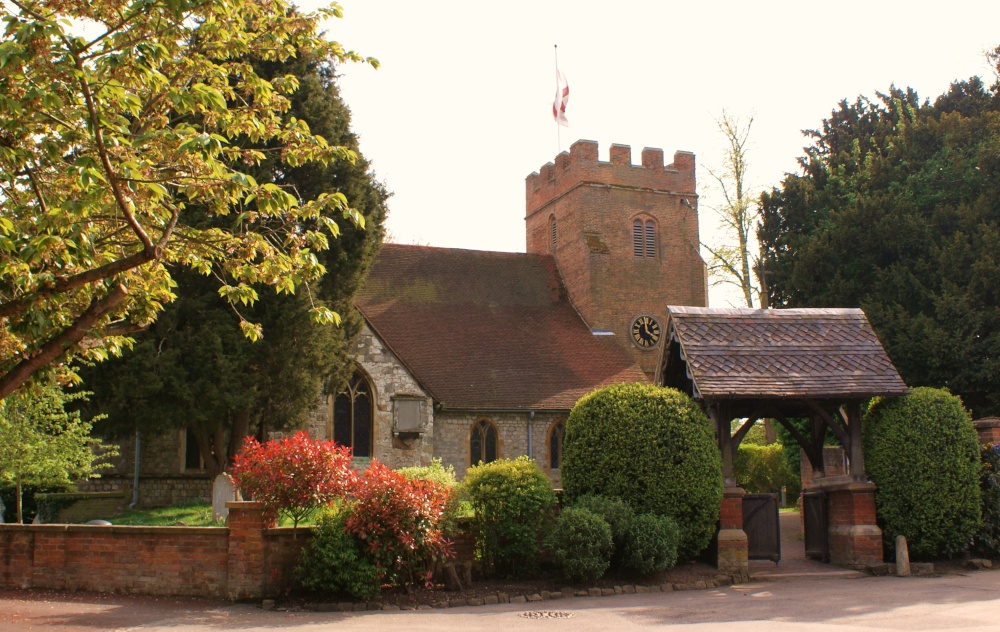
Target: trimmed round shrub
335 562
922 452
654 448
617 513
512 501
651 544
581 544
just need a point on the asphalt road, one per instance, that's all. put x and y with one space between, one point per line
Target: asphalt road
954 602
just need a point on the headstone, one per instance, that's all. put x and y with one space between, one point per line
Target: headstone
223 491
902 557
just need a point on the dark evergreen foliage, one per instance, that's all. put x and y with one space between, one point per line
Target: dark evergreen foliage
897 210
987 540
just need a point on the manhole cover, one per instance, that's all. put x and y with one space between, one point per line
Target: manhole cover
546 614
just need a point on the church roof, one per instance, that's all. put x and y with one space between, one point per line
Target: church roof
778 353
487 330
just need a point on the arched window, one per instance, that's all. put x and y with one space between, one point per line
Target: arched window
552 230
557 434
644 239
483 443
353 417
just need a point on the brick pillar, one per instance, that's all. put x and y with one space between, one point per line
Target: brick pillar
988 429
246 525
854 537
732 556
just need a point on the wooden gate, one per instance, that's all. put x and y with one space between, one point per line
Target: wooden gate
815 518
760 522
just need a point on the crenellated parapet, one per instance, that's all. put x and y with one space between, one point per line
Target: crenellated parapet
580 166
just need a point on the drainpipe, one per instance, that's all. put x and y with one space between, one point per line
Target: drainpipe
531 416
135 481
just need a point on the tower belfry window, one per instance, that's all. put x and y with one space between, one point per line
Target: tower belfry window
644 239
552 245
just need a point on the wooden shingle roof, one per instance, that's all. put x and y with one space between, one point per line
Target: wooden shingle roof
487 330
779 353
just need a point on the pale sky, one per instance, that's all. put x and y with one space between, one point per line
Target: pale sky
460 111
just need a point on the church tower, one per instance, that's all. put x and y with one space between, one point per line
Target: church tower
624 238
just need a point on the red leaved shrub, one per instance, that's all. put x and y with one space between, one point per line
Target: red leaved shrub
293 475
398 521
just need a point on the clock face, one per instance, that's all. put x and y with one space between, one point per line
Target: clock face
645 332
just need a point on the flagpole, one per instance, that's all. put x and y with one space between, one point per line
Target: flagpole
555 50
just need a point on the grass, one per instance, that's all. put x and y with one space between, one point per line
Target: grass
190 515
194 515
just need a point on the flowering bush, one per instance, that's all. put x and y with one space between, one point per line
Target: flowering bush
293 475
398 520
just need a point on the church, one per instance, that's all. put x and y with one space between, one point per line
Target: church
469 356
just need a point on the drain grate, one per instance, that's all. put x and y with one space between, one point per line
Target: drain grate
546 614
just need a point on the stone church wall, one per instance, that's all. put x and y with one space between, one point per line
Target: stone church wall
453 429
390 380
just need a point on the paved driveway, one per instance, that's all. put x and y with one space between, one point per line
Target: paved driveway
954 602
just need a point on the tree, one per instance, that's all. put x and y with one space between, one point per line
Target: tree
897 211
293 475
193 368
112 134
733 260
43 444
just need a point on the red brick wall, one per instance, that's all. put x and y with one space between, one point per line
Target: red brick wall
243 561
283 549
144 560
731 514
594 204
851 508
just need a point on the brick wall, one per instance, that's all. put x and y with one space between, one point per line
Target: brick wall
141 560
594 204
245 560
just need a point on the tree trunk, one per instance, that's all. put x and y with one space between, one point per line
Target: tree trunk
238 434
17 496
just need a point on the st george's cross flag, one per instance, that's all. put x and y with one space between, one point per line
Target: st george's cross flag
562 97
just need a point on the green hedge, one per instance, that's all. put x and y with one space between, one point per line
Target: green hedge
652 447
764 469
922 452
513 502
581 544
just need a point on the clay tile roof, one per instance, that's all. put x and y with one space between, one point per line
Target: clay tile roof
487 330
782 353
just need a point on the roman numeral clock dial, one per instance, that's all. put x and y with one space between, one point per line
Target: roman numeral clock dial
645 332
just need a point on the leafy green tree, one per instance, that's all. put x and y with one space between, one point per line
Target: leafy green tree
897 211
119 132
194 369
43 444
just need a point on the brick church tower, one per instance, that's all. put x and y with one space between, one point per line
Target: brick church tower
624 237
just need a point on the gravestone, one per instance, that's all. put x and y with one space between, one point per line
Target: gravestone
223 491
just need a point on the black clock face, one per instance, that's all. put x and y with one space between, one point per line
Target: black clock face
646 332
